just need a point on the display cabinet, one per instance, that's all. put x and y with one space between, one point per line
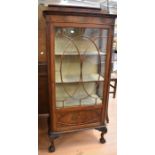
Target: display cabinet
79 44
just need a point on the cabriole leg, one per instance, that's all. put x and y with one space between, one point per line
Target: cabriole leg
51 147
103 131
102 140
52 137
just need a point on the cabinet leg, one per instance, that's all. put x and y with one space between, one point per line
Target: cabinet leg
52 137
103 131
102 140
51 147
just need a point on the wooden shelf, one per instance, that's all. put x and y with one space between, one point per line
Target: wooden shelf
72 53
91 100
76 78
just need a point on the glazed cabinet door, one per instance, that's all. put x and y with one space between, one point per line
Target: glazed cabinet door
79 66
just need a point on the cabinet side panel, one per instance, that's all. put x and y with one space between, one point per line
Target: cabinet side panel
51 76
107 75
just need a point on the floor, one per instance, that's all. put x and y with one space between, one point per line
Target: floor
83 142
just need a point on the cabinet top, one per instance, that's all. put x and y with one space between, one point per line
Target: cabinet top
76 11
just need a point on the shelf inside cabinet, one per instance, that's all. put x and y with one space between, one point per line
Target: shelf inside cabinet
76 78
72 53
70 102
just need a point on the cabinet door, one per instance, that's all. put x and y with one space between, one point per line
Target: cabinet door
79 66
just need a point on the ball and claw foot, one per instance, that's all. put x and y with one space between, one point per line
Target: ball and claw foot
51 149
52 137
102 140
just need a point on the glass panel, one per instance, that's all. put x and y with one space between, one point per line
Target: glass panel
79 66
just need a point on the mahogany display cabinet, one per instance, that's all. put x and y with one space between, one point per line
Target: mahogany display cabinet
79 46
